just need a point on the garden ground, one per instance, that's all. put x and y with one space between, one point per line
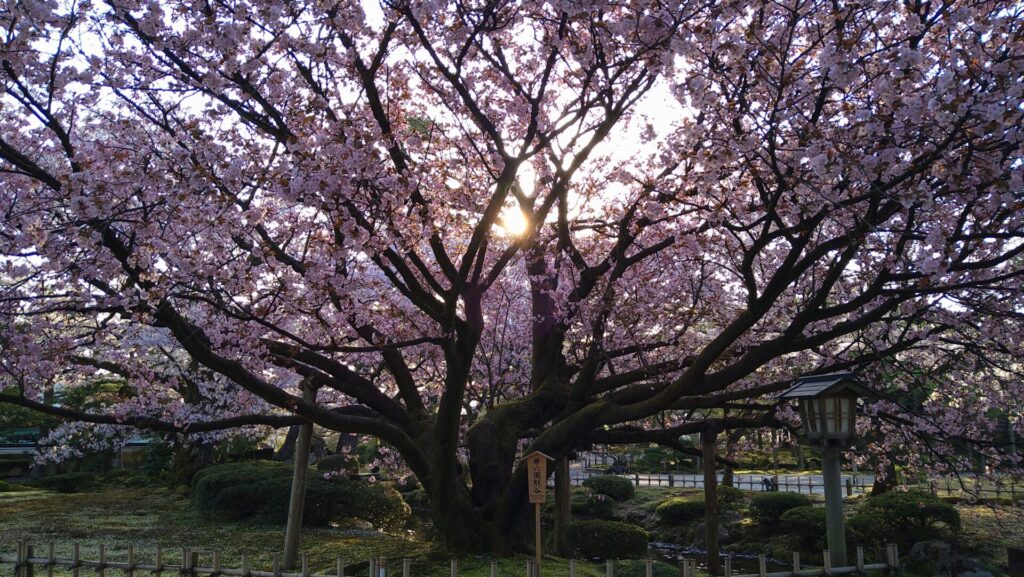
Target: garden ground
151 517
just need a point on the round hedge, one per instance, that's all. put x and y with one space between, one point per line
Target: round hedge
597 539
618 488
338 462
729 496
766 509
263 488
67 482
807 525
593 505
681 509
904 518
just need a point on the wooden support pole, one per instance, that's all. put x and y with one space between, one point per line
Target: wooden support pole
159 562
340 567
101 569
572 569
728 566
277 565
609 568
536 533
796 562
708 439
648 568
305 566
407 568
563 505
19 559
455 568
50 559
245 566
762 565
297 498
130 571
834 523
216 562
860 559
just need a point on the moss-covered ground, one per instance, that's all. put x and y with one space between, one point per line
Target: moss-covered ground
154 517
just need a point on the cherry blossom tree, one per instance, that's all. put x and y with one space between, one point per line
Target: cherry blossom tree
476 227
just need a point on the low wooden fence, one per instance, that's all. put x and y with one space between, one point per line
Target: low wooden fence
786 483
943 486
26 561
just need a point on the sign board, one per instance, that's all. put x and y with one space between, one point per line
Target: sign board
537 475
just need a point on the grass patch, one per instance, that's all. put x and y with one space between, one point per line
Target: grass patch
151 517
987 531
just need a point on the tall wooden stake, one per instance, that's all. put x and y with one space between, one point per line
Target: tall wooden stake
298 494
563 510
708 438
536 511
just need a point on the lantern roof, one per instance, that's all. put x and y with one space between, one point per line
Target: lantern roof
813 386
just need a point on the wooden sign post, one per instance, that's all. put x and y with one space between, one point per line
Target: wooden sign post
537 478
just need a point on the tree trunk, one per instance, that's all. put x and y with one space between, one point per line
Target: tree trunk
287 450
455 517
884 480
563 505
188 459
297 500
708 438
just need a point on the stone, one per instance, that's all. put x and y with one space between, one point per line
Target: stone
930 559
936 559
699 535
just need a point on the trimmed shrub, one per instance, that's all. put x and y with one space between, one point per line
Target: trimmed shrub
681 509
766 509
6 487
67 483
338 462
618 488
728 497
607 540
262 488
807 525
904 518
594 505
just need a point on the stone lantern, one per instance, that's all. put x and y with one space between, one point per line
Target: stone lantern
828 410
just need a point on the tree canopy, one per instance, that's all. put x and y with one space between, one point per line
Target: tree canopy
475 226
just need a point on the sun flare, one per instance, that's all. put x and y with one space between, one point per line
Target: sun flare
514 222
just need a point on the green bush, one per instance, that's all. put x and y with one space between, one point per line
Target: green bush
729 497
593 505
681 509
6 487
807 525
339 462
766 509
618 488
904 518
67 483
136 481
607 540
262 488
